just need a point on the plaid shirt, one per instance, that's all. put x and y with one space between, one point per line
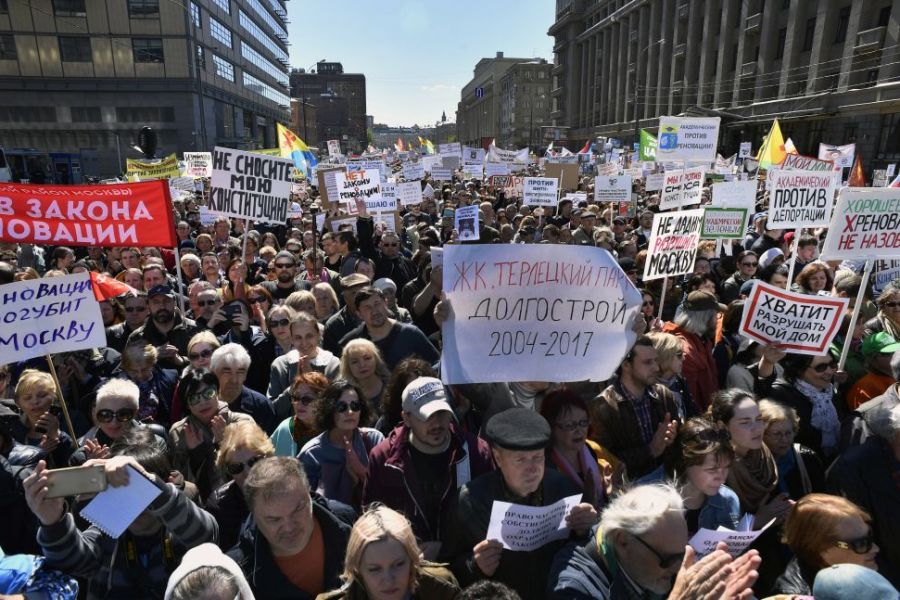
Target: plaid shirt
641 409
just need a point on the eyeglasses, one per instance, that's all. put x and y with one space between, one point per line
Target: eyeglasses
343 407
258 300
200 397
666 561
648 303
207 302
304 400
280 323
131 309
123 415
573 425
891 305
238 468
198 355
860 545
824 367
284 265
753 264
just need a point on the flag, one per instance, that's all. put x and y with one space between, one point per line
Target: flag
772 151
896 182
586 149
106 287
294 148
429 147
565 152
647 148
549 150
399 145
789 147
857 177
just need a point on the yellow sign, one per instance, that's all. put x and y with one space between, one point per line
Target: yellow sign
144 170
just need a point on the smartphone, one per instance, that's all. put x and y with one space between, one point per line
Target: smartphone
56 411
76 480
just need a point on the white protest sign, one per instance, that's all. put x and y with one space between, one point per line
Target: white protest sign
673 243
429 163
473 171
381 204
44 316
372 165
441 174
891 169
724 223
320 221
800 323
472 155
654 182
841 155
334 147
800 199
879 178
389 190
185 184
409 193
342 224
525 528
612 189
884 273
296 211
198 164
496 168
535 313
450 162
358 184
250 186
450 149
798 162
682 187
865 224
540 191
207 217
745 150
413 171
705 541
734 194
609 168
687 138
466 223
437 257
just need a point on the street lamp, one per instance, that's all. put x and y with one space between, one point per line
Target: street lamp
637 81
303 105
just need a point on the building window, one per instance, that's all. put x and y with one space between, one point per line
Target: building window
4 7
219 32
86 114
809 35
267 91
8 47
840 34
145 114
270 68
69 8
201 58
27 114
148 50
75 49
779 47
225 5
224 69
195 16
884 16
143 9
889 144
266 41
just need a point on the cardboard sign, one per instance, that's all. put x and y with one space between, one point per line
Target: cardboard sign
359 184
500 181
198 164
841 155
441 174
535 313
865 224
409 193
682 187
250 186
466 223
566 174
413 171
472 155
143 170
724 223
327 184
525 528
125 214
334 147
800 199
800 323
798 162
540 191
612 189
673 243
687 138
44 316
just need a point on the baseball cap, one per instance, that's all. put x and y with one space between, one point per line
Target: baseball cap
700 300
851 582
423 397
161 290
880 343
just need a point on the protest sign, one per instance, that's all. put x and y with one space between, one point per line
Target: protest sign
705 540
723 223
865 224
654 182
198 164
800 199
372 165
429 163
497 155
250 186
673 243
409 193
334 147
687 138
389 190
450 149
152 169
612 189
381 204
358 184
879 178
466 223
745 150
413 171
44 316
682 187
734 194
472 155
343 224
535 313
441 174
608 168
891 169
566 174
798 162
884 273
437 257
208 218
185 184
451 162
327 183
500 181
525 528
841 155
800 323
494 168
540 191
473 171
127 214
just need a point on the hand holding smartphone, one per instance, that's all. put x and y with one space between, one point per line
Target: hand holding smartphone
75 481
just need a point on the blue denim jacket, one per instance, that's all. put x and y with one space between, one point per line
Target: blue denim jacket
722 509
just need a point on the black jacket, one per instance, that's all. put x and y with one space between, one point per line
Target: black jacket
797 578
18 535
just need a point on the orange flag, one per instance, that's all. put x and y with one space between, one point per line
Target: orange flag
857 177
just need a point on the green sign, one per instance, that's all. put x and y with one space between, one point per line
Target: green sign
724 223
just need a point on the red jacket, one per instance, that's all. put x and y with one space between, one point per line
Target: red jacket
699 369
392 477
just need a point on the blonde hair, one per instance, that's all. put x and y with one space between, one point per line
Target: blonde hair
772 412
119 388
379 524
138 352
242 435
31 380
667 346
204 337
301 300
357 346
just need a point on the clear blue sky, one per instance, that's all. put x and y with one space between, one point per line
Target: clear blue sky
416 55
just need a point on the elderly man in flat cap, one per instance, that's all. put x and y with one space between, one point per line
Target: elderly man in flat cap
518 438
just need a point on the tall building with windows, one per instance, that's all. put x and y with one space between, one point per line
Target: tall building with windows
79 78
340 103
828 69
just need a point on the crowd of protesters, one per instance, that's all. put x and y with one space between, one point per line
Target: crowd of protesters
284 395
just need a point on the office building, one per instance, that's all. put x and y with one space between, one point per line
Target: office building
340 101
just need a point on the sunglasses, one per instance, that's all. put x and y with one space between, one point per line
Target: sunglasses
123 415
753 264
573 425
666 561
238 468
207 302
343 407
304 400
258 300
824 367
284 265
389 245
891 305
860 545
280 323
202 354
131 309
200 397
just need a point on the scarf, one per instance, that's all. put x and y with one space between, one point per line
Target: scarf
300 431
824 414
753 478
589 467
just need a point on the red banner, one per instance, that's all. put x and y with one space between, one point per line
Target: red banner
128 214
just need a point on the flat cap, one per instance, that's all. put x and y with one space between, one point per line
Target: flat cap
518 429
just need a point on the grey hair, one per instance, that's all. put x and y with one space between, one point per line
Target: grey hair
119 388
190 258
640 508
696 321
229 355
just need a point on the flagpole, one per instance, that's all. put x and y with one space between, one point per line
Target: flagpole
795 244
662 298
62 400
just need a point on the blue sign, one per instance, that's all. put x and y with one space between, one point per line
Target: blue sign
479 92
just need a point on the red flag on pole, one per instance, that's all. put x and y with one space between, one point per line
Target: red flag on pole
857 177
106 287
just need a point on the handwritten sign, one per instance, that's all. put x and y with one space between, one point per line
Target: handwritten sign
865 224
612 188
724 223
682 187
450 149
136 169
540 191
198 164
466 223
409 193
525 528
413 170
801 323
473 171
535 312
441 174
884 274
654 182
358 184
673 243
250 186
43 316
800 199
